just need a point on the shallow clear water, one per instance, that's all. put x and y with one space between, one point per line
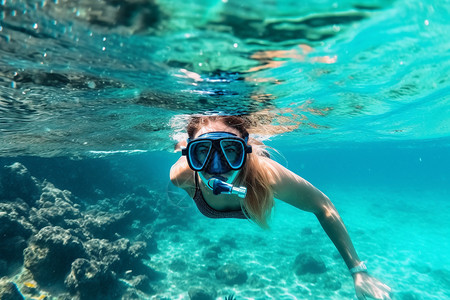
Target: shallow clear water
320 72
354 94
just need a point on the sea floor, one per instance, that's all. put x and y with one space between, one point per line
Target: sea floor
400 232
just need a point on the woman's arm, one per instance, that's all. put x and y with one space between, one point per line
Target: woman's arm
181 175
292 189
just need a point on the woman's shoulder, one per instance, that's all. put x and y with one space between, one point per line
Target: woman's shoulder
291 188
181 175
281 176
271 166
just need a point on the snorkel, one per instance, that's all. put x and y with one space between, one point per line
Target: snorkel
219 186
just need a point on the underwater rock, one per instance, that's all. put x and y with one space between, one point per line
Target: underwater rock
37 220
61 243
138 251
140 208
202 293
107 252
232 274
119 256
212 252
17 182
50 254
18 209
147 237
9 291
13 235
210 255
178 265
51 195
309 264
57 208
91 280
105 225
257 282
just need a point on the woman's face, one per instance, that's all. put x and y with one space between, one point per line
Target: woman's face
212 127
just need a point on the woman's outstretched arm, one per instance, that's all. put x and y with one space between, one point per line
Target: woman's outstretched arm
181 175
292 189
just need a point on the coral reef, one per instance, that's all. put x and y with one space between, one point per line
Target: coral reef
63 241
51 252
91 279
17 182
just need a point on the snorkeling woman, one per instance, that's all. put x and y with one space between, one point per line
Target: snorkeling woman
230 175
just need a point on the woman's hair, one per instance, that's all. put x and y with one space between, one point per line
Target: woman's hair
255 176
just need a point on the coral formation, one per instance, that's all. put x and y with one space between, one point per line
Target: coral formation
64 241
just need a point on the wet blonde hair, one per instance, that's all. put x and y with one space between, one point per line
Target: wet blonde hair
255 175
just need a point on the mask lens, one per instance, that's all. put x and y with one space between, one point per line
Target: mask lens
233 151
198 153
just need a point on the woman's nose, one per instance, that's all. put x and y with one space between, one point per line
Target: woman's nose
216 166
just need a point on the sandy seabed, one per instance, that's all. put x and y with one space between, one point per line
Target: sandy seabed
156 245
399 232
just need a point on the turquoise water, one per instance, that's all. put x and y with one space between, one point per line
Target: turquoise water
355 96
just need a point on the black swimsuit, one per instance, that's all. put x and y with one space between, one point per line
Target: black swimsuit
210 212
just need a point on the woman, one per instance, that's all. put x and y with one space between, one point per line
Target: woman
219 155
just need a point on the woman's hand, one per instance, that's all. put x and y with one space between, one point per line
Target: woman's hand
370 287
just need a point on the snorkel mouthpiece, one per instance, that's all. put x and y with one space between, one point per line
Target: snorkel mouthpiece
220 187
